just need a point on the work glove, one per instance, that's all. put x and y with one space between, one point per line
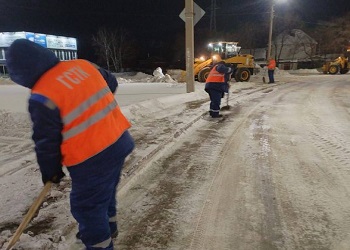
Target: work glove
54 179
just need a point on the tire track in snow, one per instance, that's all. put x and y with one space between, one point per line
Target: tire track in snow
263 185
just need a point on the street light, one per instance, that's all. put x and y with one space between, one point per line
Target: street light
271 25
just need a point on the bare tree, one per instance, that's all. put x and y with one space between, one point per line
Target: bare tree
103 45
279 43
249 35
114 47
295 44
282 26
333 36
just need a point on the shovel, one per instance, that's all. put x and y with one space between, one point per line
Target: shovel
227 107
29 215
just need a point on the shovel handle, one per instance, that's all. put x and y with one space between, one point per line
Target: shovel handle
29 215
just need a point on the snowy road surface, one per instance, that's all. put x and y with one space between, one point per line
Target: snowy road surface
274 174
14 98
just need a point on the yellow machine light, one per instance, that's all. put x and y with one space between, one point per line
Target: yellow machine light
216 58
202 58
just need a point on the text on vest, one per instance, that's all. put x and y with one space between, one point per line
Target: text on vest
72 76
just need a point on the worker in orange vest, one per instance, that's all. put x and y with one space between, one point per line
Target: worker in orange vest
216 86
271 66
77 123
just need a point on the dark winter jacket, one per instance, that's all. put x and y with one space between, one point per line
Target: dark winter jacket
26 63
222 87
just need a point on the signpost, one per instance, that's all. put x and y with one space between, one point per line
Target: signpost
198 13
191 15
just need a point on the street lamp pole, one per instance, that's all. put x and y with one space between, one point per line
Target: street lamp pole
270 31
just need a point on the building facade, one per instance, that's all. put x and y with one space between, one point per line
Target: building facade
65 48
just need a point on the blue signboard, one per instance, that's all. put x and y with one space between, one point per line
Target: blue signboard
30 36
47 41
40 39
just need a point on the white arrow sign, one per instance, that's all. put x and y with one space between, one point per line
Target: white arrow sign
198 14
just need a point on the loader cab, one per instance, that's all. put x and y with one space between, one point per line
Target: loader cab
224 49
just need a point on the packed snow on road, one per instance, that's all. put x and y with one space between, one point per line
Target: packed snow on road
273 173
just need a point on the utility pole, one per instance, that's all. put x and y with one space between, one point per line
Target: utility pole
189 16
270 31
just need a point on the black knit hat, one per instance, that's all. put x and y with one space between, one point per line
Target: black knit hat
27 61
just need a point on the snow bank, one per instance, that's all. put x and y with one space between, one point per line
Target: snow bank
178 75
304 71
158 76
278 72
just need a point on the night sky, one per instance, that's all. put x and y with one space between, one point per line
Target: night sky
149 21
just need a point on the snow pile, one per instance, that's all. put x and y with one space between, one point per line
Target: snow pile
140 76
123 80
279 72
158 76
130 77
178 75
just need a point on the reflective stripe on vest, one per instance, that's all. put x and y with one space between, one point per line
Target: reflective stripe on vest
91 117
215 76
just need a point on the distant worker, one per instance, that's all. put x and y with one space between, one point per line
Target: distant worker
271 66
77 123
216 86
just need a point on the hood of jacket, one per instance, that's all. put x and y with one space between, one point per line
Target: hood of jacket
27 61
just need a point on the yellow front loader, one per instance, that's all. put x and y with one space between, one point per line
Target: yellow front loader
339 65
242 64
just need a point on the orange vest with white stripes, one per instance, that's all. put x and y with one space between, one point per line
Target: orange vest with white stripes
91 117
215 76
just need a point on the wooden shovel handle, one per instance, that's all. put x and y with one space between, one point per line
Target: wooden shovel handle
29 215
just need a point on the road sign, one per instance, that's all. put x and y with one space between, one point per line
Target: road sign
198 14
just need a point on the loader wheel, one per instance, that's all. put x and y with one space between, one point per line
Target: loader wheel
242 75
203 74
333 69
344 71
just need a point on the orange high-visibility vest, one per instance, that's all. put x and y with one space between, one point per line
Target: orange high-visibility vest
215 76
272 64
91 117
